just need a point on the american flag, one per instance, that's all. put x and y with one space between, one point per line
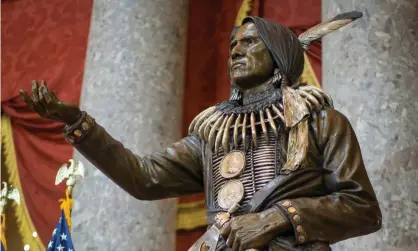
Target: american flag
61 238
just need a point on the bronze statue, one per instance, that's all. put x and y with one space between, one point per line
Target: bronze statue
280 168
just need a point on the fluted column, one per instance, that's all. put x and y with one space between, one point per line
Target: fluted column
371 70
133 87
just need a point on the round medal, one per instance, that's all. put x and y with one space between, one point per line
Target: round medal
231 193
232 164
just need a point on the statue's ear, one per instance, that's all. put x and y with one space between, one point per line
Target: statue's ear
236 94
277 78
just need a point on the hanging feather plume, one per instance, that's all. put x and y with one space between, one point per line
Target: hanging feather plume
297 147
322 29
295 109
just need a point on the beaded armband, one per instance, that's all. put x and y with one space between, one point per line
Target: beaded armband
75 133
296 220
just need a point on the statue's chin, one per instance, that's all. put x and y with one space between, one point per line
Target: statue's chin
243 80
247 81
245 84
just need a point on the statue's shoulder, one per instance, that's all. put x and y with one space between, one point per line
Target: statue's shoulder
329 123
325 119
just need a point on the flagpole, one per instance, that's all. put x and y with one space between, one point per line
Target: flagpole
61 236
69 171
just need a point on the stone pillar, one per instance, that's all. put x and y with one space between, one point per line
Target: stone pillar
133 86
370 68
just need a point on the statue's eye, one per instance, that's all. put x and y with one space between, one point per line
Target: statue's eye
232 45
251 41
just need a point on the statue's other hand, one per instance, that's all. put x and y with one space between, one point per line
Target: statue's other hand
45 103
254 231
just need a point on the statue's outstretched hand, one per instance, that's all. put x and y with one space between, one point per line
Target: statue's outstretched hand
46 104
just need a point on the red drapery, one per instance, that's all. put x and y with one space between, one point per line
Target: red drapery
42 39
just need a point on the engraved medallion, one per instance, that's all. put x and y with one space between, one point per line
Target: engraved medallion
231 193
232 164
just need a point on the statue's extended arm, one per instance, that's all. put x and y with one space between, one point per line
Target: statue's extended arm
174 171
350 209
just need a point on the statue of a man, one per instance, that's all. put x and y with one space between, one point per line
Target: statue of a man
280 168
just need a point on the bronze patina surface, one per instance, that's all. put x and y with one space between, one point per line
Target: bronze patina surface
280 149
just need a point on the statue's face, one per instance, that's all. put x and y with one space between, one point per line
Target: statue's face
250 63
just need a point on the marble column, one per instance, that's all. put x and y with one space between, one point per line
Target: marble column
371 69
133 87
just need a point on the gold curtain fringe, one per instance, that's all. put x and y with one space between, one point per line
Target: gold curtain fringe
24 221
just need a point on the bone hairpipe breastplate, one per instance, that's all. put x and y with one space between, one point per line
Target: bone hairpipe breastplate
261 165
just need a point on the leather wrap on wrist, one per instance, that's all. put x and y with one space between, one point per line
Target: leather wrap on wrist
75 133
